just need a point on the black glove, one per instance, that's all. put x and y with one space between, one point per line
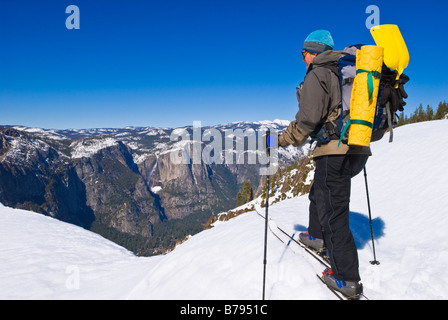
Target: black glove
391 94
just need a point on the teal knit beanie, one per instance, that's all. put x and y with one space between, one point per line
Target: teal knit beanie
318 41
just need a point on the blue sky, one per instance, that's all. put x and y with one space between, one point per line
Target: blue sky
169 63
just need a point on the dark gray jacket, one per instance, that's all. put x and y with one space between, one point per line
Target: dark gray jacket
319 102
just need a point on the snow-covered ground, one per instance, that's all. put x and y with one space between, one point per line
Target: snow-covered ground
42 258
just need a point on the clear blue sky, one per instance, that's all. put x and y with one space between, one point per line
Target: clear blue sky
168 63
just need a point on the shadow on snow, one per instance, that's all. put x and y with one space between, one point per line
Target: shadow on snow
360 227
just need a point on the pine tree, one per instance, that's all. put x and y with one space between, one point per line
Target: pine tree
420 114
240 199
245 195
413 117
429 113
402 119
246 190
442 111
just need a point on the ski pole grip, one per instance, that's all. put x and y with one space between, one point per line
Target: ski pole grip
270 140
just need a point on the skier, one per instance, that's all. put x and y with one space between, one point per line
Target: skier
319 99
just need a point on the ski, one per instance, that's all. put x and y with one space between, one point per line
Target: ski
314 253
274 230
340 295
325 262
322 259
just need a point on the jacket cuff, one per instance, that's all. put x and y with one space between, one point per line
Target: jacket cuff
282 141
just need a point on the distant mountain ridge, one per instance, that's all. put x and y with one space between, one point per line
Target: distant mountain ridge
122 183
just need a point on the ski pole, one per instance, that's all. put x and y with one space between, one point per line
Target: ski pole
376 262
268 152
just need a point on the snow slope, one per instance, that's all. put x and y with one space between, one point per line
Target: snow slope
42 258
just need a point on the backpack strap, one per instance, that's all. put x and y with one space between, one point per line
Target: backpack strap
389 122
354 121
370 75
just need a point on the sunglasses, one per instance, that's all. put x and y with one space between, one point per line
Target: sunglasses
304 53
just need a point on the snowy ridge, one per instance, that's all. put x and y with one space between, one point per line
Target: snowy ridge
43 258
87 148
147 141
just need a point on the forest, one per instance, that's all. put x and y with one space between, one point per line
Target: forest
425 114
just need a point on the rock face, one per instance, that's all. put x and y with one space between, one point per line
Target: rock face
122 183
116 192
35 176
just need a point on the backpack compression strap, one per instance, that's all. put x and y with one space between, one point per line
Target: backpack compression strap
370 75
354 121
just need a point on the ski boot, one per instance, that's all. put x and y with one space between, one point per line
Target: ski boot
314 243
351 289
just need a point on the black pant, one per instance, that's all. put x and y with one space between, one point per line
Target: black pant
329 211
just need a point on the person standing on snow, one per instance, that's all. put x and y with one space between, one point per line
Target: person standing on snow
319 99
